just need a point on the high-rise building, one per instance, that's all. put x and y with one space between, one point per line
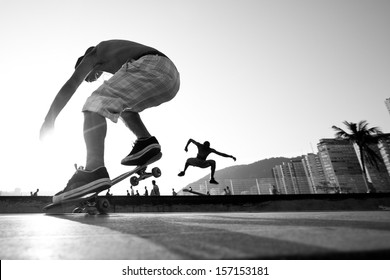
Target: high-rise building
314 172
387 102
341 165
384 148
377 175
291 178
301 180
284 179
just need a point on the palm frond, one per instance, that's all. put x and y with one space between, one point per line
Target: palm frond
340 133
374 130
362 126
363 136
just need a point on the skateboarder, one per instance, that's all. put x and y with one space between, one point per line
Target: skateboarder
200 161
143 77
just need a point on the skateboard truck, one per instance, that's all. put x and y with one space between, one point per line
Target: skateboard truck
156 172
93 205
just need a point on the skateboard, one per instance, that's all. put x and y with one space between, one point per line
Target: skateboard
94 204
194 192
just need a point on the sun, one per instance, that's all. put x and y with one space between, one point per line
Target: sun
56 157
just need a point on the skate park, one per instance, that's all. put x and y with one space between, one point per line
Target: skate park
347 227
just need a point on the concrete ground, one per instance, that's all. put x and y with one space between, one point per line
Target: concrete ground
229 235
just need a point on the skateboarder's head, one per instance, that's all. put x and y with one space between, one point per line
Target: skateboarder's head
206 144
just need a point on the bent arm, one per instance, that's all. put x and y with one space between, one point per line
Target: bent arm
189 142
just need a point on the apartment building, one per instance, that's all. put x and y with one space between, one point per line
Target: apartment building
314 172
341 165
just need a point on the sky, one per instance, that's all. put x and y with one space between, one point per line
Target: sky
259 79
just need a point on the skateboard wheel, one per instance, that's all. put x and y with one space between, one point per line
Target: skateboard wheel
134 181
77 210
156 172
102 205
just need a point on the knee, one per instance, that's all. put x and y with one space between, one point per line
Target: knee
127 114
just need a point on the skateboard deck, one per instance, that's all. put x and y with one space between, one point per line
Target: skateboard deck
194 192
92 203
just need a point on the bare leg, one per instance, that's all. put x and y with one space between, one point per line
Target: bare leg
182 173
213 166
134 123
186 166
95 130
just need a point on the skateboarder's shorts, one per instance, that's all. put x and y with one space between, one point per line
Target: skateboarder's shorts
199 162
140 84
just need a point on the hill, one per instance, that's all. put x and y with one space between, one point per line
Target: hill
258 169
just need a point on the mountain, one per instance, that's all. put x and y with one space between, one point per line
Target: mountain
258 169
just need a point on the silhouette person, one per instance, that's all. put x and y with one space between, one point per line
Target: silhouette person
201 158
274 190
132 191
228 191
155 188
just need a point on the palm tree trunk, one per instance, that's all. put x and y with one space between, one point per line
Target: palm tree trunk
364 170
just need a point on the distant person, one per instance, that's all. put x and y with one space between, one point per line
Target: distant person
143 77
36 192
174 193
201 159
128 194
131 191
228 192
208 193
274 190
136 193
31 193
225 192
155 188
146 191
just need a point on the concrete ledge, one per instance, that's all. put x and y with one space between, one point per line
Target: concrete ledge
234 203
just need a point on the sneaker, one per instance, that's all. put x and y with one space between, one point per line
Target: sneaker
212 181
143 150
181 174
84 182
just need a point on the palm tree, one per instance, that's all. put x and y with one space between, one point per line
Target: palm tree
363 137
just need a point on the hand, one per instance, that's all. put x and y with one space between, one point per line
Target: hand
186 149
46 129
233 158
